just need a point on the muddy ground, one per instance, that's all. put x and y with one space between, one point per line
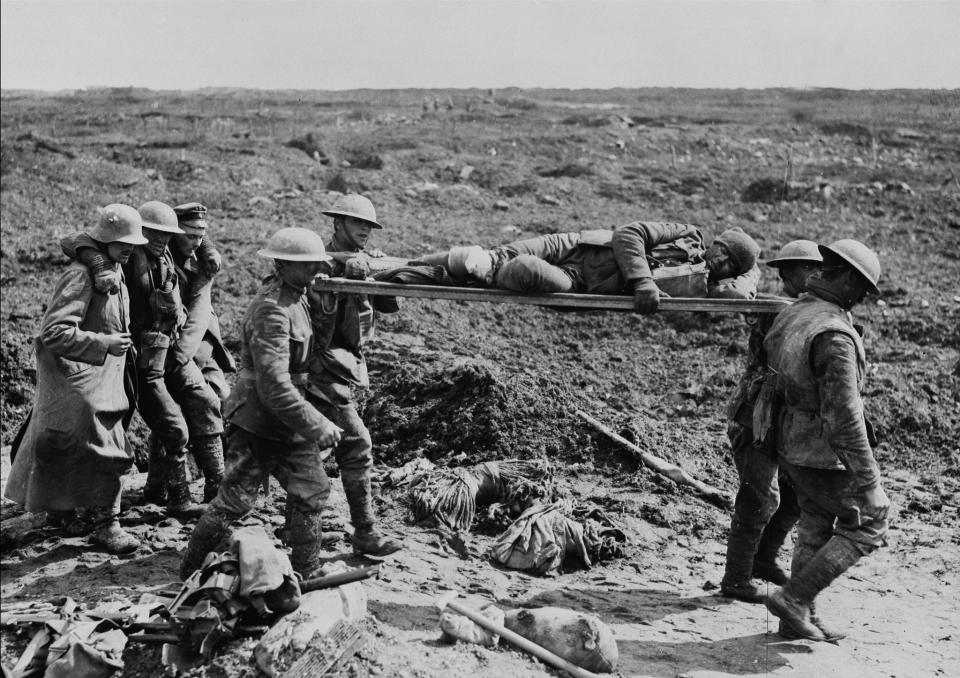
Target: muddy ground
463 382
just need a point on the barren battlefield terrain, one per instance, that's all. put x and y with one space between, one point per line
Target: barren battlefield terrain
462 382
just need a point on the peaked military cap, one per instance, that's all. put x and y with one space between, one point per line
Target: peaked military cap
192 215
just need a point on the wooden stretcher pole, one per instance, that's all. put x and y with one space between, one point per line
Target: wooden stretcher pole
563 300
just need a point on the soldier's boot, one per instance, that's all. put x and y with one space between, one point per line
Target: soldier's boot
208 451
833 559
830 635
180 503
794 613
155 490
209 534
774 535
108 533
367 540
737 582
303 536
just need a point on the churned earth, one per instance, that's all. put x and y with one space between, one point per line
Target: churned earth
459 383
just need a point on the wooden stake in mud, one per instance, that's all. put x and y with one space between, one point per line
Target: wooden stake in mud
664 468
608 302
541 653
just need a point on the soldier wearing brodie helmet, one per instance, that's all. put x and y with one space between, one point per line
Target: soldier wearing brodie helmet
766 508
275 429
341 324
822 435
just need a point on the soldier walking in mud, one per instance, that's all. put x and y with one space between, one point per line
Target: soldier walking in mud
626 259
274 429
341 323
73 451
766 508
196 262
822 438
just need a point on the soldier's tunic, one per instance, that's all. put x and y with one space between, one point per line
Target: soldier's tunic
822 436
765 508
342 322
273 427
74 450
168 388
199 339
604 261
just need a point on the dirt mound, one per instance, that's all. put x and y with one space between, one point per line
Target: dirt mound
449 409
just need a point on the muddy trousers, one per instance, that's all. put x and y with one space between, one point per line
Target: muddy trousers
354 454
833 532
297 466
764 512
527 273
179 407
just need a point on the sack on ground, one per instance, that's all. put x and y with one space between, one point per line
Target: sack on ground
580 638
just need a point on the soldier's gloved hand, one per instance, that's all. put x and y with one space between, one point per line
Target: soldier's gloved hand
212 262
356 269
329 436
646 296
876 503
106 281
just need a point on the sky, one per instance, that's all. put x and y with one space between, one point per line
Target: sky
335 45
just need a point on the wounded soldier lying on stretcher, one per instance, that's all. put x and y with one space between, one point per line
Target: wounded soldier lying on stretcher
645 259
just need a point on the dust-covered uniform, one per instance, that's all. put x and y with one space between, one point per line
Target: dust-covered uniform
341 323
765 509
74 450
273 428
822 437
606 261
200 339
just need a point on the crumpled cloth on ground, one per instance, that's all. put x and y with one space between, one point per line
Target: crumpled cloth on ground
457 627
263 567
544 537
86 649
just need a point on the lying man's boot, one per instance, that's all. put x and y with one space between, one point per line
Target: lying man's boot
209 534
745 591
794 613
770 572
369 541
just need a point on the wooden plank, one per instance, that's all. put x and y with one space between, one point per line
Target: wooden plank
562 300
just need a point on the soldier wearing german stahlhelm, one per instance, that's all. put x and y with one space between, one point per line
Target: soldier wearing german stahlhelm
341 323
822 439
275 430
73 450
166 389
196 262
766 508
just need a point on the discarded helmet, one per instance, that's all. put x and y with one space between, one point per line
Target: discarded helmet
356 206
160 217
295 244
119 223
863 259
797 250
